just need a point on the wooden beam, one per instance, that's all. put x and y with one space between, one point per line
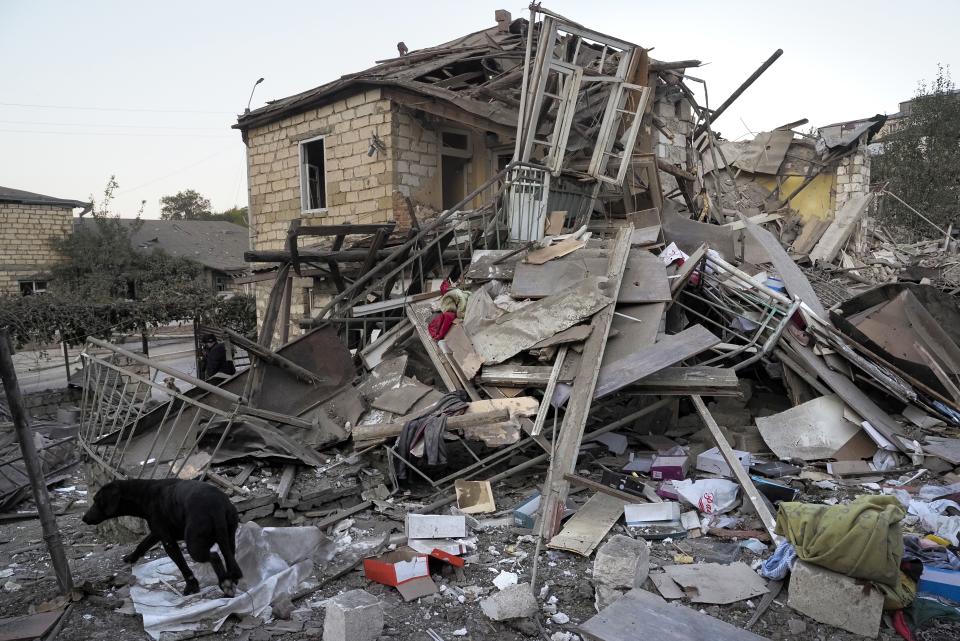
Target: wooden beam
575 417
743 478
271 357
392 430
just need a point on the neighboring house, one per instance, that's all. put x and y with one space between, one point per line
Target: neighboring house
896 121
29 225
217 245
415 133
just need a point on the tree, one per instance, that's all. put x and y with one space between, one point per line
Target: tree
235 215
185 205
105 285
920 161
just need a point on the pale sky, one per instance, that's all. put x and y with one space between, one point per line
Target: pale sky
148 91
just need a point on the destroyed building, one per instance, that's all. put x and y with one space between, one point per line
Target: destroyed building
412 136
28 222
615 386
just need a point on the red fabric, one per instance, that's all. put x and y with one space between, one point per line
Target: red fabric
445 286
900 625
441 324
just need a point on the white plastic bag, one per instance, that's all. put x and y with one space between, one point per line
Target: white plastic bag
710 496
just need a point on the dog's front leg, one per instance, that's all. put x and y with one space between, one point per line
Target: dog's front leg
142 548
173 551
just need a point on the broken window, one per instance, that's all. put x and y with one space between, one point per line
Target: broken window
30 287
313 174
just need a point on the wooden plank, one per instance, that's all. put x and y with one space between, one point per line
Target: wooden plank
585 529
287 477
380 431
678 280
564 247
669 351
418 314
391 303
696 379
575 417
645 236
813 231
548 392
941 375
522 329
742 476
626 497
756 220
516 375
660 620
796 283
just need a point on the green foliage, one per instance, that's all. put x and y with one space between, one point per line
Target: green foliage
105 285
190 205
921 159
185 205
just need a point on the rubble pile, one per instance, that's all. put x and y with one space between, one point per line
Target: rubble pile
654 412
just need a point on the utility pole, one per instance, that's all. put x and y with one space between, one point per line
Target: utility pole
51 533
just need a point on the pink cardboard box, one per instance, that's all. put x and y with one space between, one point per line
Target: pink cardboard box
669 468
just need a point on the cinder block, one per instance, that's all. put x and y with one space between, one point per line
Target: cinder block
835 599
622 562
353 616
513 602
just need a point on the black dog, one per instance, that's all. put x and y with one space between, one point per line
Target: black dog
176 510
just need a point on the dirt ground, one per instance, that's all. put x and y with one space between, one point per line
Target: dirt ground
102 575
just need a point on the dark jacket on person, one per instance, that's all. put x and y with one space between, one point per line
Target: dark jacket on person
215 362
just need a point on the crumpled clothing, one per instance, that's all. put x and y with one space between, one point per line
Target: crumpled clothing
936 557
454 300
899 597
429 428
778 566
441 324
862 539
926 609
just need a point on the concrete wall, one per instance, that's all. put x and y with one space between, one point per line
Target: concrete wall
25 241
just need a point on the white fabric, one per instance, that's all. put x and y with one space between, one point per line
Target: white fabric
275 561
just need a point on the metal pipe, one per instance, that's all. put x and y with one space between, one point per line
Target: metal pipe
166 369
31 462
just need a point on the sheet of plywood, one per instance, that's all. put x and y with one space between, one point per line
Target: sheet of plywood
814 430
399 400
645 279
555 223
633 327
564 247
585 529
643 362
645 236
690 234
717 584
641 610
524 328
536 280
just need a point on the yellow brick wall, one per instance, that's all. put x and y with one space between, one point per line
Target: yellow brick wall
25 241
359 187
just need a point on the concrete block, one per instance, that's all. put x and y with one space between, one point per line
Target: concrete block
835 599
513 602
353 616
622 562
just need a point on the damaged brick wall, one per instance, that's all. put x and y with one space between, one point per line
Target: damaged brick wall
853 177
26 232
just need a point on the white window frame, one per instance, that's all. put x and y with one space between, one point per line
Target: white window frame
33 286
305 184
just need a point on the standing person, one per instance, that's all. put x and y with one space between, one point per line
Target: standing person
215 363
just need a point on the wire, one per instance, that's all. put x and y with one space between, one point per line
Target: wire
174 172
84 124
133 109
128 134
